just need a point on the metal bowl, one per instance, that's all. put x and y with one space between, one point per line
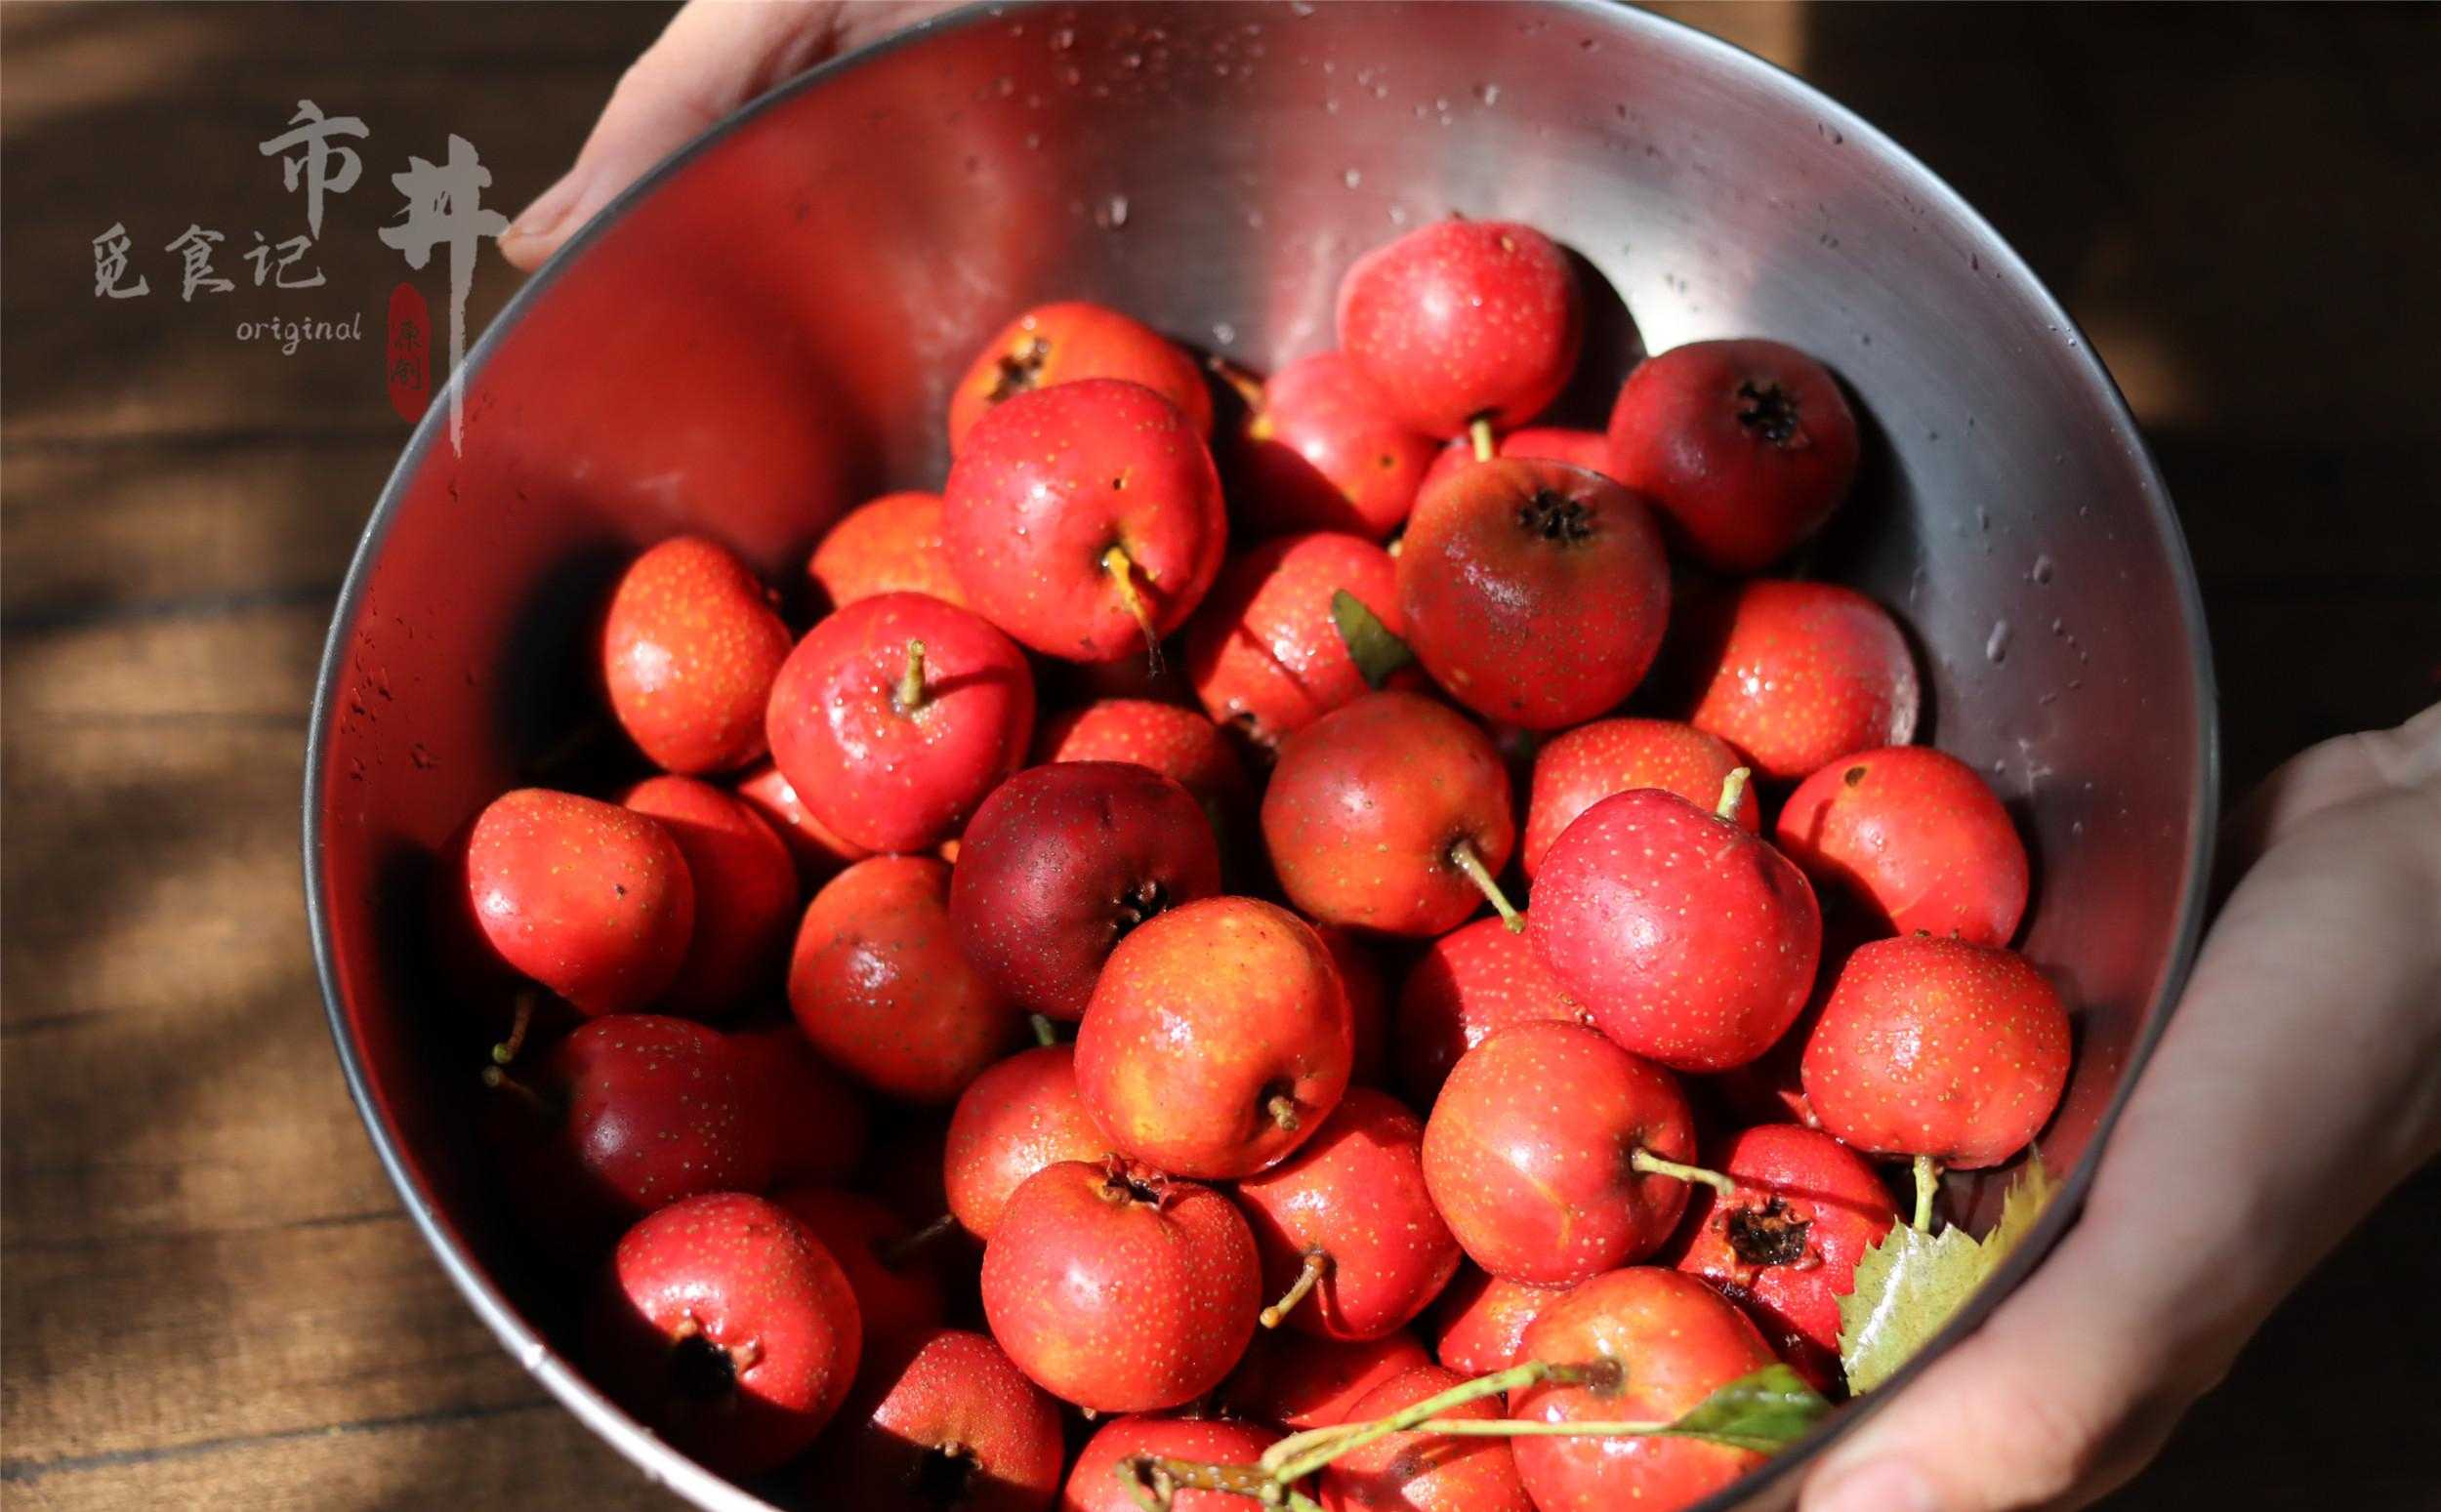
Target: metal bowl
762 330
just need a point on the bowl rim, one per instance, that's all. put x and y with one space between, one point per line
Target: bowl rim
663 1464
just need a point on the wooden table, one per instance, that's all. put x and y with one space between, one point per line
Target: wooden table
211 1296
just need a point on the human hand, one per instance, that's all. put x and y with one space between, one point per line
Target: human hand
2302 1072
714 56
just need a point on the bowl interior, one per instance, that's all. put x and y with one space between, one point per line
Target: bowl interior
761 335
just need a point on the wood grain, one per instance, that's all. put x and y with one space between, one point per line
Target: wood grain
208 1295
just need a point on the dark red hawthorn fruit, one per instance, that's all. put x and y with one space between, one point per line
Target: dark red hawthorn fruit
1785 1249
896 714
1016 1118
745 893
1687 939
1464 321
1389 814
1061 863
889 546
630 1112
689 651
1301 1380
1536 592
1424 1472
1580 767
1065 342
942 1421
1917 836
1217 1039
1351 1245
1480 1322
1320 450
591 899
1586 449
729 1329
1265 653
1747 446
820 854
881 988
819 1123
1540 1154
1096 1485
1938 1047
1119 1288
1084 520
1468 985
1676 1342
1798 675
898 1293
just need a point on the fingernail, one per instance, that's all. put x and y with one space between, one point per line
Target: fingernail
550 207
1883 1486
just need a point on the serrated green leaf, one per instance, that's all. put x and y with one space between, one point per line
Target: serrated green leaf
1369 644
1911 1283
1766 1411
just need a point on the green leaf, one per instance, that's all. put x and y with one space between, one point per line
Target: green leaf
1911 1283
1376 652
1766 1411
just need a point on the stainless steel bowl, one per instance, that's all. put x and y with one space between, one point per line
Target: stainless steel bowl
762 331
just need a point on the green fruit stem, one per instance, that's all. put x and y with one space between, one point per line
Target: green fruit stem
1155 1479
1122 570
1046 1033
1316 1262
1300 1454
898 1252
500 1080
1479 431
1463 856
506 1051
1653 1165
909 696
1732 792
1928 1187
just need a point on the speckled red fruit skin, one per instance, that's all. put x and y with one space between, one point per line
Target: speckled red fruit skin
820 854
885 778
1263 653
1304 1381
924 1404
894 1303
1534 592
1939 1047
1588 449
1463 318
738 1272
689 651
1200 1019
1179 744
1466 986
819 1123
1580 767
1747 446
1048 483
1424 1472
889 546
1062 862
1916 835
1320 450
1366 803
1368 1003
1527 1154
591 899
1119 1288
1480 1320
1356 1192
1677 1342
1068 342
881 988
1798 674
1786 1249
644 1111
1019 1117
745 893
1687 939
1095 1484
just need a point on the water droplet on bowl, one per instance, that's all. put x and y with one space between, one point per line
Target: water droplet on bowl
2044 567
1351 178
1995 644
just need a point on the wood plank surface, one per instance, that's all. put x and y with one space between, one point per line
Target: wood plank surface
208 1293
